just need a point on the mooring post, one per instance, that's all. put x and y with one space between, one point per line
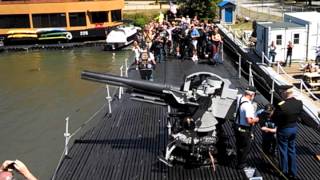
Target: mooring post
108 98
67 137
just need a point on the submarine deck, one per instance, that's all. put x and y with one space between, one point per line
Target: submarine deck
126 143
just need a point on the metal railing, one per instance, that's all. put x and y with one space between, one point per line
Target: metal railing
300 81
67 134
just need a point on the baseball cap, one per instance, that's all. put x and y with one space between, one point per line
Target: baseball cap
251 89
285 87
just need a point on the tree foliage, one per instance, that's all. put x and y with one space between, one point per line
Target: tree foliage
201 8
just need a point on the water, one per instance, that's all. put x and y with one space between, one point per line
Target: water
38 90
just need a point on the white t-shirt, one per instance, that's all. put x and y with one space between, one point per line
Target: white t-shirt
246 111
136 52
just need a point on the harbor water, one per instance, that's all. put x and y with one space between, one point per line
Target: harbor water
38 90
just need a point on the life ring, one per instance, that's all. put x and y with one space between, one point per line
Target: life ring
69 36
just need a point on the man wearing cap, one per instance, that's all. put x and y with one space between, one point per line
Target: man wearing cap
286 116
245 119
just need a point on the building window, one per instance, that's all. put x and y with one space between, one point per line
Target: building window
279 40
296 38
49 20
77 19
116 15
15 21
99 17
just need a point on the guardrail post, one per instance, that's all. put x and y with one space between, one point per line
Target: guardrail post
222 56
251 83
278 67
67 137
126 65
121 88
108 98
239 66
272 91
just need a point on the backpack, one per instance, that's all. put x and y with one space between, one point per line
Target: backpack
195 33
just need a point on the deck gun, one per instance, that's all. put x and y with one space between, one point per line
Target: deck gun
199 105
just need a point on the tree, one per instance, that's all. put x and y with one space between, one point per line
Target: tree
201 8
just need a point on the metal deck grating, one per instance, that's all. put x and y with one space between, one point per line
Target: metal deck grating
125 145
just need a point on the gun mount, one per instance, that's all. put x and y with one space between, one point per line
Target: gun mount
200 105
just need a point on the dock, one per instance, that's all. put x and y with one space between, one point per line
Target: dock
52 46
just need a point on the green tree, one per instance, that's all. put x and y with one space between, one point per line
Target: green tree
201 8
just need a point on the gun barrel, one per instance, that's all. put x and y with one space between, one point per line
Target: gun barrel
125 82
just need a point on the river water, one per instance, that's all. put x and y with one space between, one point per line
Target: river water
38 90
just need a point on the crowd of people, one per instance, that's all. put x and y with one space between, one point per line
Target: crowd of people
193 39
184 38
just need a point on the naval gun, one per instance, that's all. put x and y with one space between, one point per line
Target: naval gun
199 107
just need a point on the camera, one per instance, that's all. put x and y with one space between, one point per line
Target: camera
270 125
9 167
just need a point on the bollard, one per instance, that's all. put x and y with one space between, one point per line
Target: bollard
67 137
262 61
239 66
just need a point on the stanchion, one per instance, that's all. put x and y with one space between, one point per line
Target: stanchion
126 65
108 98
222 56
239 66
251 83
121 88
67 137
272 91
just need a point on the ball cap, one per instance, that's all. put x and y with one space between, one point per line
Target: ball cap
285 87
251 89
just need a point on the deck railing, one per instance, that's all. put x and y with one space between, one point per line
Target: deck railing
109 98
281 70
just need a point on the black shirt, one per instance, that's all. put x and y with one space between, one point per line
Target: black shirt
287 113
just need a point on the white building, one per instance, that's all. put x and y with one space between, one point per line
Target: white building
312 21
281 33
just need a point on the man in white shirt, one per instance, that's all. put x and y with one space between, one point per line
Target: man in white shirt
245 119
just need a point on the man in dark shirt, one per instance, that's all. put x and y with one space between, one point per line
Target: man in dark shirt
286 116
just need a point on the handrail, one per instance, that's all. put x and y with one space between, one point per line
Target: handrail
302 83
68 136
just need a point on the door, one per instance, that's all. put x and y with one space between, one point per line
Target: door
228 15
